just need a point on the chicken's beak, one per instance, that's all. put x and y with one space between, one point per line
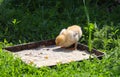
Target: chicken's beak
57 43
59 40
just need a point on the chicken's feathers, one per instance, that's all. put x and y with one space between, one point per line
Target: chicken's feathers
62 31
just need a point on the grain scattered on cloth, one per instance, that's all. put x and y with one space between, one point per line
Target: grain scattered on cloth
51 55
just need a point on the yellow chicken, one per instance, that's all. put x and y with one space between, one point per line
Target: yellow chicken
69 36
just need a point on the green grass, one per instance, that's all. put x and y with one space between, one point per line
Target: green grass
108 66
28 21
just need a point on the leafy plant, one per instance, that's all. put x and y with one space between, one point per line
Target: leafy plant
27 21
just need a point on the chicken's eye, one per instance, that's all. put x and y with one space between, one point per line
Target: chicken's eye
75 34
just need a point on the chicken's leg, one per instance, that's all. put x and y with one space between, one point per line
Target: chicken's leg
73 48
76 46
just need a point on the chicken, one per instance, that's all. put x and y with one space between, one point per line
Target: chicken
69 36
